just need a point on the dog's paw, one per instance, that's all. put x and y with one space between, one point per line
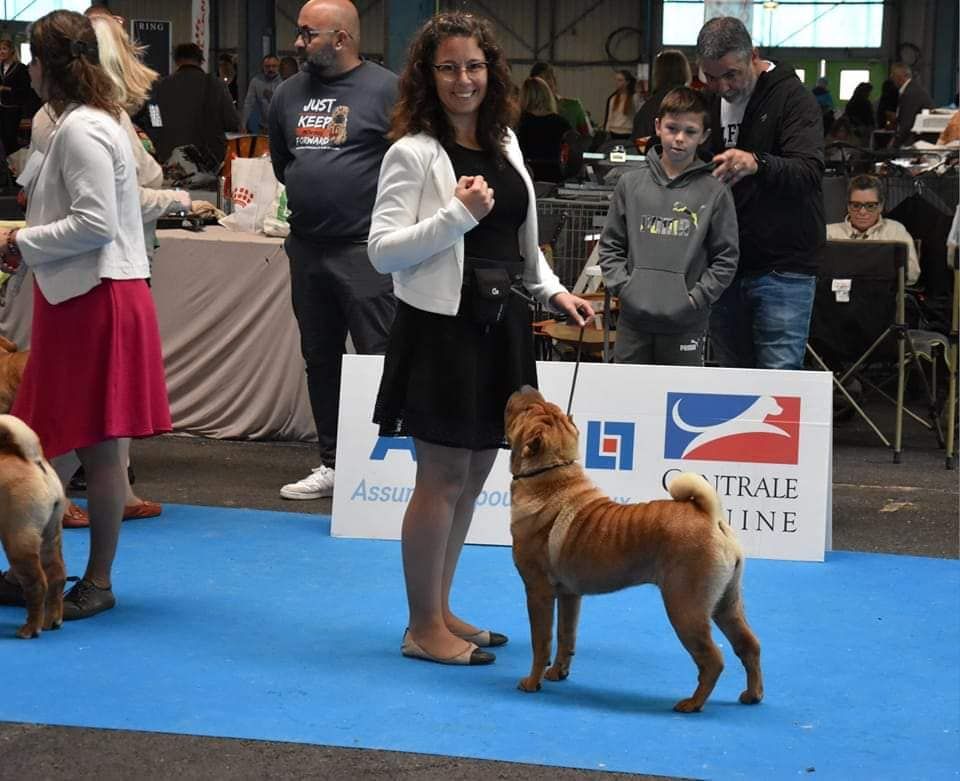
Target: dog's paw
529 685
748 697
50 626
28 632
688 705
557 673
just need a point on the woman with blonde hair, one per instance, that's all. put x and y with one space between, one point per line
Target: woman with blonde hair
541 130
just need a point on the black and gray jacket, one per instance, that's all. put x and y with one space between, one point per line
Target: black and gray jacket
667 241
780 208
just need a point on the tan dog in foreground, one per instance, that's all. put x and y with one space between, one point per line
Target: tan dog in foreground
569 539
12 364
31 510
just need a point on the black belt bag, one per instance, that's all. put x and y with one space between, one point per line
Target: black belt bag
489 291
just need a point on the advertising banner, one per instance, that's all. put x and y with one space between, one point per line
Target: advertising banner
200 21
762 438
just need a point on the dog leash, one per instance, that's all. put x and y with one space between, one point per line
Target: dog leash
576 370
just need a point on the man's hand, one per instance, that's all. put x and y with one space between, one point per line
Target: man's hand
476 195
733 165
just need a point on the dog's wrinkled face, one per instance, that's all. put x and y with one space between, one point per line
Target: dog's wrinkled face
539 433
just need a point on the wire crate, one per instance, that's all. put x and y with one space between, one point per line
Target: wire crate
580 232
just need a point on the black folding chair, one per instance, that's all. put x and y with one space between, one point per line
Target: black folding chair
859 324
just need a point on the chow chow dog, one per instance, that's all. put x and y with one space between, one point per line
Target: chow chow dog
569 539
31 510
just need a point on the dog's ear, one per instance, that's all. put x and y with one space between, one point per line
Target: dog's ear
533 445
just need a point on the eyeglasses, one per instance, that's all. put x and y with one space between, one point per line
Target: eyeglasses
309 33
450 70
869 206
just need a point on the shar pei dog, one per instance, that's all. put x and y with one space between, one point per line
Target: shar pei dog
31 511
569 539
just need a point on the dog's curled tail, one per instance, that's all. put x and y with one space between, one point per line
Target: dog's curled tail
689 486
18 439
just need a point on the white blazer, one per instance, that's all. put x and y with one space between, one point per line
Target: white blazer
417 227
83 209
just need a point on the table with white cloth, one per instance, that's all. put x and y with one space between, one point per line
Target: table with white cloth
231 345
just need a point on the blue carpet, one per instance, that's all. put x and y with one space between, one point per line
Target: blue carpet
242 623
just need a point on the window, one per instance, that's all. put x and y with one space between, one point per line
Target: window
801 74
31 10
849 79
843 24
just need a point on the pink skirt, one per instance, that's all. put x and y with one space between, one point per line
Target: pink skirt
95 370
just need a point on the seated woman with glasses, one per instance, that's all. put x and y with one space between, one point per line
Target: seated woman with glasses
865 220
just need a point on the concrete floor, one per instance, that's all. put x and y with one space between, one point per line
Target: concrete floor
907 508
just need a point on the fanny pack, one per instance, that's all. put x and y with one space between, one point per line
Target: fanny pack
489 290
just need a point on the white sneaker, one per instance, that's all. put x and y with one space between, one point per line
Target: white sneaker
317 485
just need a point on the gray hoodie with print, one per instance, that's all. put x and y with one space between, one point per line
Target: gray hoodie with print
669 247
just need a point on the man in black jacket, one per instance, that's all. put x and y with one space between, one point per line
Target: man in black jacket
913 99
768 145
195 107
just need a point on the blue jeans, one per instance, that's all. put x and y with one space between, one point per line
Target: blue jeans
762 322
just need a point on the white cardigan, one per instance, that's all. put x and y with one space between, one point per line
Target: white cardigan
417 227
154 202
83 209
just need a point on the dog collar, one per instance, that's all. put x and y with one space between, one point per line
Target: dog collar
541 470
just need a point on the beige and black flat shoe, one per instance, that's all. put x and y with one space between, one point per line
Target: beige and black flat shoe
485 638
471 656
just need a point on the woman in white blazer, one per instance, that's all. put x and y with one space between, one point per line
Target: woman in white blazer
132 79
455 215
95 375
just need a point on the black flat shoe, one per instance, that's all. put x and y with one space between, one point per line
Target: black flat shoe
85 600
471 656
79 480
485 638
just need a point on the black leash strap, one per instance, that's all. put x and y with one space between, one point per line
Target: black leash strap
576 370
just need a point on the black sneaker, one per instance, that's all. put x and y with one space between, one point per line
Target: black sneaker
85 600
10 593
79 480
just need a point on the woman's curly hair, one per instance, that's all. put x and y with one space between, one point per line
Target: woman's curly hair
66 46
418 108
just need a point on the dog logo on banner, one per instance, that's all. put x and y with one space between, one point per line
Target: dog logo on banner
384 445
727 427
609 445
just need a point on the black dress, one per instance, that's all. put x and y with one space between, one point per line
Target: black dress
446 379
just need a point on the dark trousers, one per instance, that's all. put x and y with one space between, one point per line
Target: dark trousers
335 290
634 346
9 126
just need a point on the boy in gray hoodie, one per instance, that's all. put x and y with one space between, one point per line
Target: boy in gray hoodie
669 247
